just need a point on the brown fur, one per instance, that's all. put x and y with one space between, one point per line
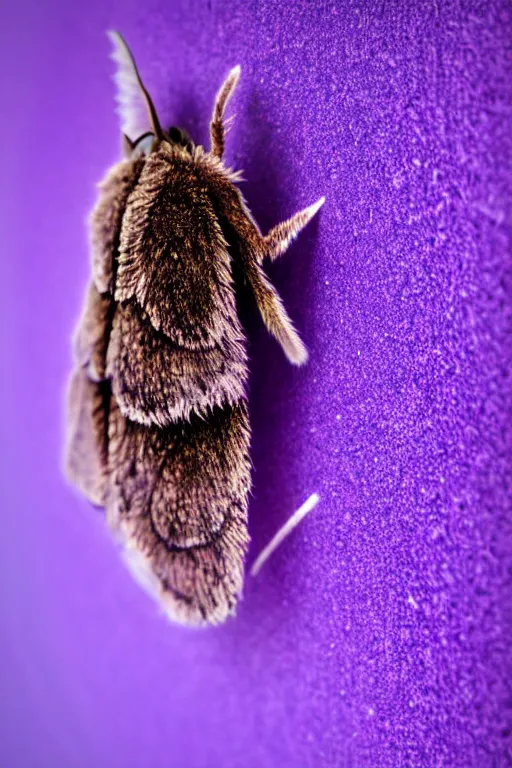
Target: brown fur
158 423
156 381
107 217
90 340
86 462
179 495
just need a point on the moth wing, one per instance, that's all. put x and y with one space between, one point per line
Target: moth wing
90 338
158 382
107 217
88 398
178 502
85 458
173 258
251 247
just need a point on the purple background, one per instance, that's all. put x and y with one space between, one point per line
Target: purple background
378 635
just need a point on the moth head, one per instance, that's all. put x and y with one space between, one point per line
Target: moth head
147 142
180 138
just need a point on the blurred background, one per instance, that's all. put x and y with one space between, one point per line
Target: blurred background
379 633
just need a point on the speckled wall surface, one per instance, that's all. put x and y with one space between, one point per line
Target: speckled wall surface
377 636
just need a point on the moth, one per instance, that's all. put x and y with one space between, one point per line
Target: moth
158 430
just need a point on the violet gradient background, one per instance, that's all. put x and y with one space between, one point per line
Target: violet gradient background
378 635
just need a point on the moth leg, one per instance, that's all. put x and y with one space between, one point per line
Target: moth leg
280 236
217 125
250 246
178 503
274 315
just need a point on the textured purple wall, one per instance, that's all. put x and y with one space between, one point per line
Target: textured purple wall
378 635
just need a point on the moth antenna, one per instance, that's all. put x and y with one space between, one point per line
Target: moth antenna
218 124
130 89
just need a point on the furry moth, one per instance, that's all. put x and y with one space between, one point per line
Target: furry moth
158 430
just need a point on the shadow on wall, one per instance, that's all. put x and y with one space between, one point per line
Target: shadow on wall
274 383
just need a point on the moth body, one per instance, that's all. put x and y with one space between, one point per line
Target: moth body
158 427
